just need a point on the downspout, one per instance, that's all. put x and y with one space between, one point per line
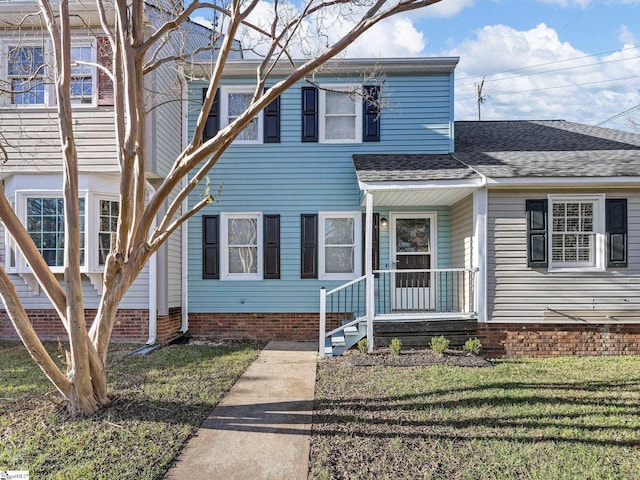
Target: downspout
184 228
153 285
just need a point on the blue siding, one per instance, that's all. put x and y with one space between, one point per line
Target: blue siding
292 178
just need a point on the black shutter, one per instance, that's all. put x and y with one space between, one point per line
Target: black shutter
616 221
537 256
371 114
212 126
210 246
271 246
375 244
271 118
309 114
309 240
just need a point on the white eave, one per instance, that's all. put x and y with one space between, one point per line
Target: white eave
539 182
423 193
346 66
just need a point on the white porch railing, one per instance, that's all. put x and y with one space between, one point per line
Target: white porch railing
398 295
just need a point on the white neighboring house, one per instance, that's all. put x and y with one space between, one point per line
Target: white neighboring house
32 177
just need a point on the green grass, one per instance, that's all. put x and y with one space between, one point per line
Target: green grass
564 418
158 401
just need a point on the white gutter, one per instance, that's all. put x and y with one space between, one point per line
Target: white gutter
184 228
153 285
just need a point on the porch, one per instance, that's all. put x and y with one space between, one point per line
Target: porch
412 304
424 254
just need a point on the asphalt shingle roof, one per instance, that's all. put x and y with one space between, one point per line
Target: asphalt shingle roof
513 149
552 148
407 167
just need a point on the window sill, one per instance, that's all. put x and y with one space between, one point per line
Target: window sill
241 277
590 269
338 276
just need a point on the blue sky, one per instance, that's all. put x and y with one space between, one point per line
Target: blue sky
577 60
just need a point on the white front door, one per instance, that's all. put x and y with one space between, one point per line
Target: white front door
412 245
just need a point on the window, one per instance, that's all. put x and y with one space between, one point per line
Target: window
109 210
577 232
26 75
340 115
45 224
81 75
234 102
27 72
241 246
340 248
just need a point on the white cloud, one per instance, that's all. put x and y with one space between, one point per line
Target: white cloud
523 67
627 37
396 36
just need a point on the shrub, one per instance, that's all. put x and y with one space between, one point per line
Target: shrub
439 344
363 346
472 345
395 346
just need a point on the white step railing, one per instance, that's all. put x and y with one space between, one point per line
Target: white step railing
343 306
397 294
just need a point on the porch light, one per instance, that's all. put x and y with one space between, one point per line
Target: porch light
383 222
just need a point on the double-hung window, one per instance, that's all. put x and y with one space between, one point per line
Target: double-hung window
340 114
339 245
241 236
234 101
26 75
82 74
45 225
108 223
577 231
43 215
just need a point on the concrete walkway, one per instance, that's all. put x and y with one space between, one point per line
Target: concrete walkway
261 429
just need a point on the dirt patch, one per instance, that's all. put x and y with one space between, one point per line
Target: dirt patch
411 358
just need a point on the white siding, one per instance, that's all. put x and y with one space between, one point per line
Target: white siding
164 147
33 142
517 293
461 235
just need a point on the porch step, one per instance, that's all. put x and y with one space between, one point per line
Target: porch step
345 339
419 333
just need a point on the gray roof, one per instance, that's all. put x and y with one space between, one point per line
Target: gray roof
513 149
408 167
552 148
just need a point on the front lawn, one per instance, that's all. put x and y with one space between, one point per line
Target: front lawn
564 418
157 403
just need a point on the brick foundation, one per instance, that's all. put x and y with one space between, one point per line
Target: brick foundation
131 325
257 326
168 325
550 340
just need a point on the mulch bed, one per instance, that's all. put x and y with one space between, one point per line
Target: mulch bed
411 358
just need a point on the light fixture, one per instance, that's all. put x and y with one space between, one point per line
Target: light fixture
383 222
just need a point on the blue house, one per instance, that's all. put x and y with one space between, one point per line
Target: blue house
355 206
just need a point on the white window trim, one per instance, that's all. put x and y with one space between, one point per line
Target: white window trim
357 253
322 110
224 111
94 223
7 45
21 197
91 227
49 92
599 231
224 246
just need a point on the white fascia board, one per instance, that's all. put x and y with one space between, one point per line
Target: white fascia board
385 186
562 181
425 65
